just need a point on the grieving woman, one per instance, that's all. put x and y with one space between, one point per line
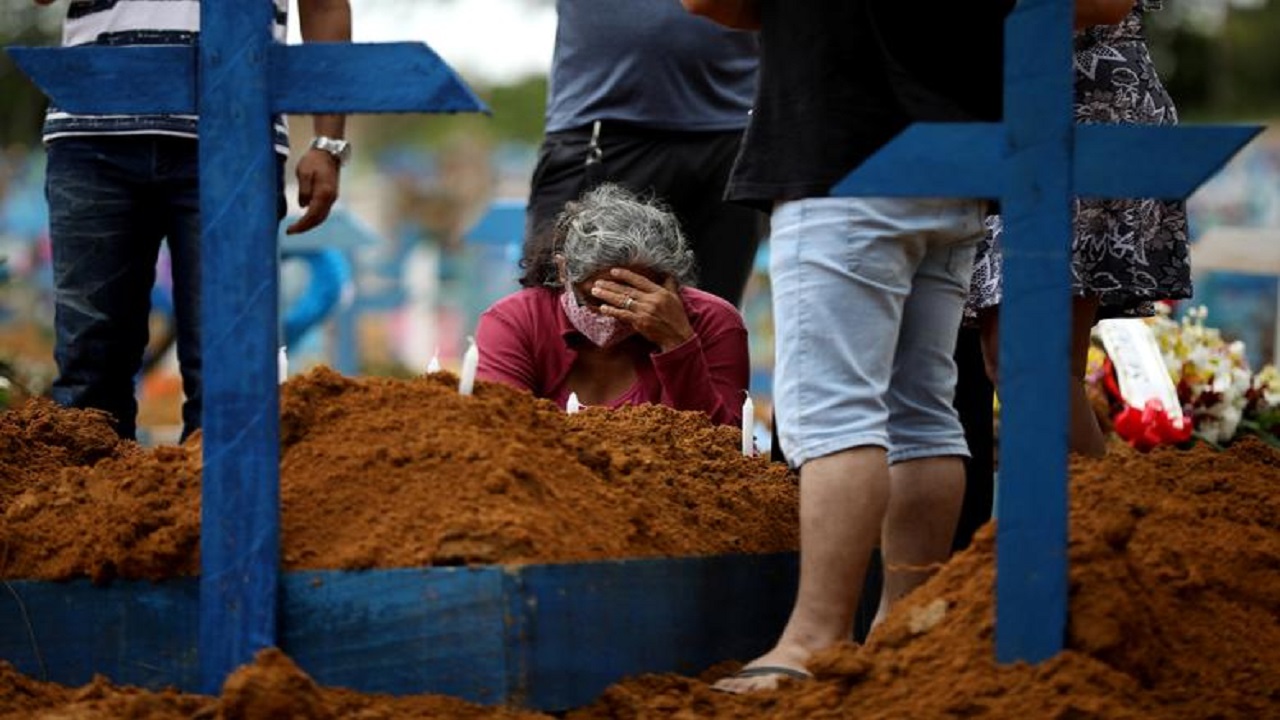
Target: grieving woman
607 313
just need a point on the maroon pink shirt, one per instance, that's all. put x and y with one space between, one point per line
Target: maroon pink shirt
526 341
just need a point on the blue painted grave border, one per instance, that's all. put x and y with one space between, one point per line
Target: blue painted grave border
548 637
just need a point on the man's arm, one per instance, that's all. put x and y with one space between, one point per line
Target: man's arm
320 21
1101 12
737 14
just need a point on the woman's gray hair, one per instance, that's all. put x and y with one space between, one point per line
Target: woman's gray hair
611 227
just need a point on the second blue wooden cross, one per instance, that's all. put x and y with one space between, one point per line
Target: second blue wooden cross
236 79
1036 162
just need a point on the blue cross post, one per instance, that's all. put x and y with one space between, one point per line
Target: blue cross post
236 79
1035 162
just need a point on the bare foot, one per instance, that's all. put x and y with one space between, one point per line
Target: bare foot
783 663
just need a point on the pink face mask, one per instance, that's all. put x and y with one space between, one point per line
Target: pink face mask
603 331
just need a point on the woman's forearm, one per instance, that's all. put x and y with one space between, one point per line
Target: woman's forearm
708 375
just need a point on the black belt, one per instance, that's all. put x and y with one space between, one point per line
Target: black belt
631 129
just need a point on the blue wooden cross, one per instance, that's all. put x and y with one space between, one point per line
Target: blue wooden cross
1035 162
236 79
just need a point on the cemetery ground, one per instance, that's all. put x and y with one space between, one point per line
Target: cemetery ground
1174 555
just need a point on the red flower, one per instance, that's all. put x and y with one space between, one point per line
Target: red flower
1109 380
1151 426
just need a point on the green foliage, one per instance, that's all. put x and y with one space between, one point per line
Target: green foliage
21 104
517 116
1231 71
1264 430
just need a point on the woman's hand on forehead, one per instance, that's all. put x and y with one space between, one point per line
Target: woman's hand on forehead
655 311
627 275
624 287
642 279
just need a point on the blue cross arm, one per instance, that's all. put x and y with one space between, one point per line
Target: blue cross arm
933 160
384 77
314 77
1145 161
1109 161
118 80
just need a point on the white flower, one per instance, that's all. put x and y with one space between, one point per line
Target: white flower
1268 381
1200 361
1230 421
1200 356
1210 430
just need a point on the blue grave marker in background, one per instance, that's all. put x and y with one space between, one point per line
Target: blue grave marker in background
236 79
1035 162
330 251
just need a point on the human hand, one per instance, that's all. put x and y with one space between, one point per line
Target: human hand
317 189
655 311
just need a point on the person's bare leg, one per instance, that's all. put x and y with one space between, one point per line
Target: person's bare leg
989 338
843 498
925 496
1085 435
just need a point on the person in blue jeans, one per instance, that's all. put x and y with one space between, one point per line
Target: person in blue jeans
118 186
868 292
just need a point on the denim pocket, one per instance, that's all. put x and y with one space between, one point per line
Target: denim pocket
878 249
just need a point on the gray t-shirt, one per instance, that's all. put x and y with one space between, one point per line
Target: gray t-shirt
651 63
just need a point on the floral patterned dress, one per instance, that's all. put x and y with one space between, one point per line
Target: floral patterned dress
1128 253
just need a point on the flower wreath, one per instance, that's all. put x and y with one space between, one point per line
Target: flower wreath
1221 398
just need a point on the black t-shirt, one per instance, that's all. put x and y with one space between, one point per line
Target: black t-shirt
840 78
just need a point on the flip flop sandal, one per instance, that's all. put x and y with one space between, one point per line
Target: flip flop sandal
766 670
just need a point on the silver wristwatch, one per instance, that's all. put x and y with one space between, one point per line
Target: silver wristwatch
340 149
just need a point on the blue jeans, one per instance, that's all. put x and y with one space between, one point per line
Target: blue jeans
867 296
112 201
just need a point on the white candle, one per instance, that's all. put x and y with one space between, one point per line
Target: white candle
748 427
572 406
469 362
434 365
282 364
